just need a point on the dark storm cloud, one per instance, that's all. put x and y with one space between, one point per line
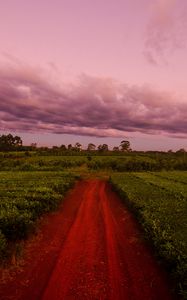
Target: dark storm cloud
93 106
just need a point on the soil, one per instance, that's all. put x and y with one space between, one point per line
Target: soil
90 249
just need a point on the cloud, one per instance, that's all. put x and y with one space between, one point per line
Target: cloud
166 30
92 107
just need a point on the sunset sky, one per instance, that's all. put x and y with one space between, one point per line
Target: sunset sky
94 71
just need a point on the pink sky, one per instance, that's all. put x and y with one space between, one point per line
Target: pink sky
102 71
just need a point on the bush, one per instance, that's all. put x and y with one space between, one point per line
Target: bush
15 224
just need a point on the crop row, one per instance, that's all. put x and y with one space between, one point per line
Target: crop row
174 176
162 209
40 163
171 185
24 197
125 163
137 164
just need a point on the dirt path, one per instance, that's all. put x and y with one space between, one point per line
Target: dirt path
90 249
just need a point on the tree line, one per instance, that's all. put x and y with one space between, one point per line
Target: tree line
14 143
10 143
124 146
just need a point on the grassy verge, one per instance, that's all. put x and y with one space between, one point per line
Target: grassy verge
160 204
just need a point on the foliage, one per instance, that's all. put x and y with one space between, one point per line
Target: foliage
37 163
125 146
24 197
102 148
132 162
9 142
91 147
160 204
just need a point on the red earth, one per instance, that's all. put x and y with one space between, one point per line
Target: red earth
91 249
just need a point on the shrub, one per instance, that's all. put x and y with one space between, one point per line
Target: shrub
15 225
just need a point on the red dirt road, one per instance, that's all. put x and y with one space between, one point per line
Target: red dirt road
91 249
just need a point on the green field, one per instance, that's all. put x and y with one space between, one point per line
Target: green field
117 162
159 200
31 185
41 163
24 197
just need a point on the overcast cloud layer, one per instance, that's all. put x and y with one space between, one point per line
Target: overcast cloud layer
93 106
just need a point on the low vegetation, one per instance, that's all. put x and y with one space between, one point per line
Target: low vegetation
159 201
138 162
153 184
24 197
40 163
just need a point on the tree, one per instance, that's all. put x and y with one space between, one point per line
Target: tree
17 141
34 146
102 148
63 147
116 149
182 150
125 146
91 147
9 142
78 146
70 147
55 148
170 151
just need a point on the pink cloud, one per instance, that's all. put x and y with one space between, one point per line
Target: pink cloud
166 30
92 107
